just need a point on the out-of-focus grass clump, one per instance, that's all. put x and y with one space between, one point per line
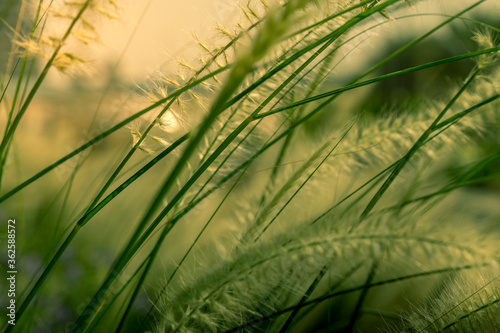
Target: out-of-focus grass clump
321 166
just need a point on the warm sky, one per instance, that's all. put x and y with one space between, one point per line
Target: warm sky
167 26
164 31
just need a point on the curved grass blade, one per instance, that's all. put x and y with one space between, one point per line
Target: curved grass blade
10 133
414 149
350 290
85 218
107 133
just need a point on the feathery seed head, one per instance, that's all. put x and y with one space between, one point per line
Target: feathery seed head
248 279
486 40
70 31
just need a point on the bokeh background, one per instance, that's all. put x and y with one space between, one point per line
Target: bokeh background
151 36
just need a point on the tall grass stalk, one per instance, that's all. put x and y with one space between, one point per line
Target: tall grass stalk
290 200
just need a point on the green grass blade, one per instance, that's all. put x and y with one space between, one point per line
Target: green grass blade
351 290
10 133
378 79
414 149
85 218
106 133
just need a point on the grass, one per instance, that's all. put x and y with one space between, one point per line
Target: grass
263 187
